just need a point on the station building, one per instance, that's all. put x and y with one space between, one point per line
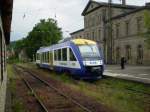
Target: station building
118 29
5 25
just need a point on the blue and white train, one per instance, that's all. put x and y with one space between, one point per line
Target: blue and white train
80 57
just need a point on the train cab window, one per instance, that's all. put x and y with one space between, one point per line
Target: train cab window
59 55
72 57
55 55
64 54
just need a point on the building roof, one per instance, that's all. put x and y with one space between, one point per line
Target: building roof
130 12
6 7
104 4
77 31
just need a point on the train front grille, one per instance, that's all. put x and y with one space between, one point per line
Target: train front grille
95 70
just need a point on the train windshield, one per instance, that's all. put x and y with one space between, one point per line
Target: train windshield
89 51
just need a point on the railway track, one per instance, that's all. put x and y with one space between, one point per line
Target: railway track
130 89
49 97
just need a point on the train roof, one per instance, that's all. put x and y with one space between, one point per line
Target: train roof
83 41
67 43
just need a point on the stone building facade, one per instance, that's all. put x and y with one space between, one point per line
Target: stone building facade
114 27
78 34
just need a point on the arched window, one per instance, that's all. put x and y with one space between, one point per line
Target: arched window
139 54
117 55
128 53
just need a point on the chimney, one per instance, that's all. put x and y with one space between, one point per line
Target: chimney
123 2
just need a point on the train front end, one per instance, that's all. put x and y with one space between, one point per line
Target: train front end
92 59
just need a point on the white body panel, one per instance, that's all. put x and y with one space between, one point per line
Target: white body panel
68 64
93 63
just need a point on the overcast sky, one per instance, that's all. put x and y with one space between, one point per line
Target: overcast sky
27 13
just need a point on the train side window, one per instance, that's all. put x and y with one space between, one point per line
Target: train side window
47 57
36 56
59 55
55 55
43 57
64 54
72 57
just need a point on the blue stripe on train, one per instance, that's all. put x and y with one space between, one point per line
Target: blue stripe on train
75 72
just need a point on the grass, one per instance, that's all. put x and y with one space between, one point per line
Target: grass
17 105
109 91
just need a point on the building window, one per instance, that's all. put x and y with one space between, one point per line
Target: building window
118 55
86 25
128 52
127 27
139 54
99 20
99 34
117 30
93 36
93 21
92 6
104 14
139 24
88 35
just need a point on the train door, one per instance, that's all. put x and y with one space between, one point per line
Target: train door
51 58
73 62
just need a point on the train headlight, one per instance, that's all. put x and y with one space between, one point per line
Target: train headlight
101 62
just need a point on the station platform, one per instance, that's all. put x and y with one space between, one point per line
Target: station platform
134 73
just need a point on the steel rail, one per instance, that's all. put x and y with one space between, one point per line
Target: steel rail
55 89
33 92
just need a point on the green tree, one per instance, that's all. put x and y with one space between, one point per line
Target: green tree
45 33
17 46
147 25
